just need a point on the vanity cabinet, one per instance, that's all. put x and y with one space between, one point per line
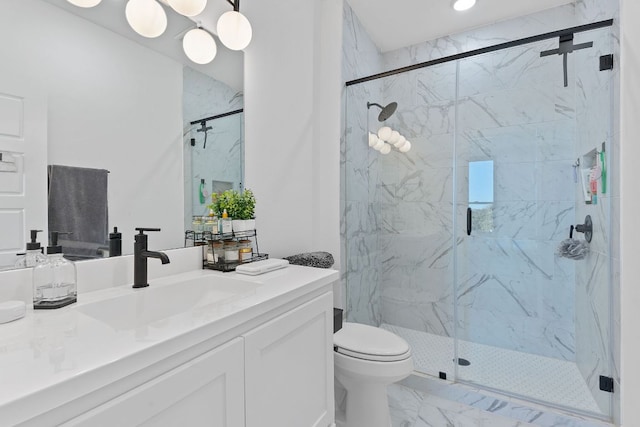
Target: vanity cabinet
289 368
206 391
278 372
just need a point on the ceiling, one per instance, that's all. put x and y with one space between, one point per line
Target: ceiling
400 23
226 67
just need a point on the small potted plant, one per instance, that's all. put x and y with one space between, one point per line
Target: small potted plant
243 207
240 208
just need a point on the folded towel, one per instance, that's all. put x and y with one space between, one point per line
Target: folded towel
78 204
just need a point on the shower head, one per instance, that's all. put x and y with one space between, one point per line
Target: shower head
386 112
204 128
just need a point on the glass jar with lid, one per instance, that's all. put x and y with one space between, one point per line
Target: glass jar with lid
231 251
211 224
215 252
245 250
196 223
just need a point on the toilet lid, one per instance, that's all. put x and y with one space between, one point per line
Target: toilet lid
370 343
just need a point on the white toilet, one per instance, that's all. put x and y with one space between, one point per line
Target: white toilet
366 360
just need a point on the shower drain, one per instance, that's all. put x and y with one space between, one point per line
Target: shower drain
463 362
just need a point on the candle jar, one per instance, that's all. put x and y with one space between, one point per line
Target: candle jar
215 252
231 252
245 250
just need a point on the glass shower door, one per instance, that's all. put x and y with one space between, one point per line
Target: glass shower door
529 322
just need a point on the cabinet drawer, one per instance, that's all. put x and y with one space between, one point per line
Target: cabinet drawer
206 391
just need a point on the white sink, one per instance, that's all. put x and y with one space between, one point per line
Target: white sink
166 298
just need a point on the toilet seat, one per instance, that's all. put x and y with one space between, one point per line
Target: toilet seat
370 343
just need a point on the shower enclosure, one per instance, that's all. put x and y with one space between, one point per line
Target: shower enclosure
453 245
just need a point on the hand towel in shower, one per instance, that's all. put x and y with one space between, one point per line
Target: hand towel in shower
78 204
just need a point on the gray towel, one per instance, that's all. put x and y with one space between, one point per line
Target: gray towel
312 259
78 204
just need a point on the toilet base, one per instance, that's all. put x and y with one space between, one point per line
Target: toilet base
368 407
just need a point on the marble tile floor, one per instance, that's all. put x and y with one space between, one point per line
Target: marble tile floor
412 407
536 377
499 369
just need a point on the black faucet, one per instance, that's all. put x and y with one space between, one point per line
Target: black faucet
140 255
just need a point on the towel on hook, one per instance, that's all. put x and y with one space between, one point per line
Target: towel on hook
78 204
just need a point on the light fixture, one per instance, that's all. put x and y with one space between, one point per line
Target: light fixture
84 3
149 19
234 29
378 145
146 17
199 46
188 7
461 5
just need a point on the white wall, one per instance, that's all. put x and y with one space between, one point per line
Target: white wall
113 104
630 206
292 126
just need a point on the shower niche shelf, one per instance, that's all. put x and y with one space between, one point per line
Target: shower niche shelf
585 165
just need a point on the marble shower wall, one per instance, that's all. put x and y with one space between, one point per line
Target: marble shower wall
359 168
203 96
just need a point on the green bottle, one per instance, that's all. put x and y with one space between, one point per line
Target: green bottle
202 197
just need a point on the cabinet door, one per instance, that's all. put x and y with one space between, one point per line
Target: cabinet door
289 368
206 391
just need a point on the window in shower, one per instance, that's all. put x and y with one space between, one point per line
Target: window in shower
481 195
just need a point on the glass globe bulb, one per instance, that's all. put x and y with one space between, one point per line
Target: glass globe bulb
394 137
373 139
400 142
199 46
406 147
386 149
234 30
146 17
378 145
384 133
188 7
84 3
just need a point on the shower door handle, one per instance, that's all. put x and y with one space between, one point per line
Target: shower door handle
469 217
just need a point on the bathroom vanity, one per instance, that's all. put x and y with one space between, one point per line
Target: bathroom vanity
194 349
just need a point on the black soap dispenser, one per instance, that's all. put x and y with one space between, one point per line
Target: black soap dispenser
115 243
34 255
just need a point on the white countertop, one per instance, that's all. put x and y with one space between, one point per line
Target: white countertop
50 355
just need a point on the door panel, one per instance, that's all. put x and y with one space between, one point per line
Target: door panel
23 169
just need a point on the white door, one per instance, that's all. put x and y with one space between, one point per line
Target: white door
23 169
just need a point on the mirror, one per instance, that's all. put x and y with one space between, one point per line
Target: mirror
114 101
214 142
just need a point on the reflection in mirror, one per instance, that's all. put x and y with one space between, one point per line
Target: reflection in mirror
214 146
104 100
